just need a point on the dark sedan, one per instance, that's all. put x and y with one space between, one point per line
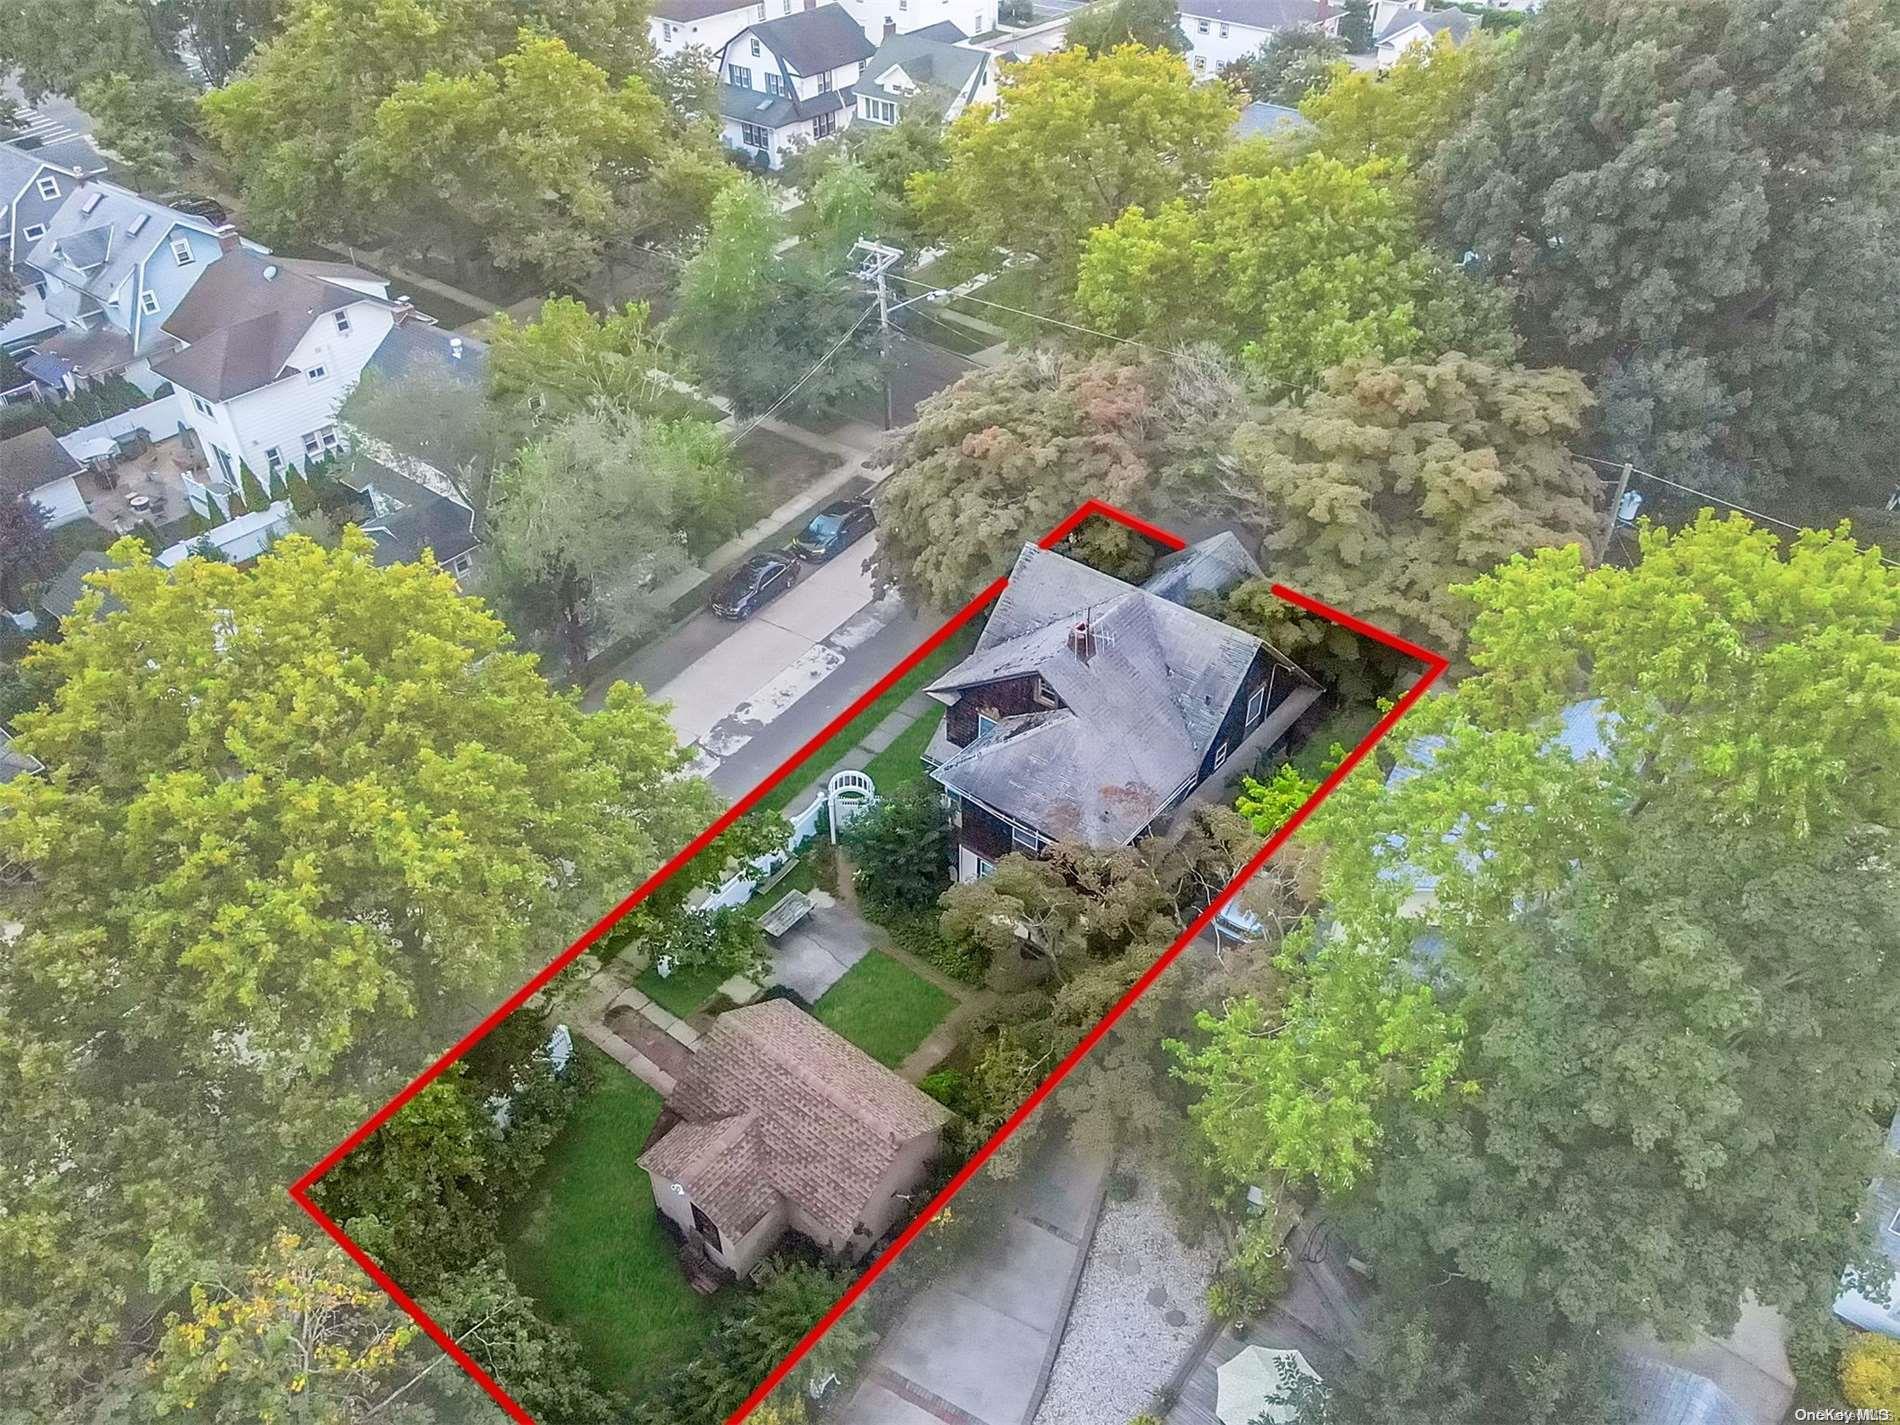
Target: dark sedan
838 526
755 583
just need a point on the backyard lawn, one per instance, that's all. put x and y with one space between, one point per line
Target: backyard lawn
586 1244
883 1007
683 991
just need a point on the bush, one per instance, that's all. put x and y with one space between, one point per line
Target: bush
95 403
901 846
920 933
950 1087
1870 1373
728 939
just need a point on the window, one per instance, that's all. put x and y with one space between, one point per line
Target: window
738 76
1221 753
200 405
707 1228
342 323
49 187
880 111
984 722
273 461
761 9
984 868
1256 704
225 467
320 442
755 43
824 82
774 83
903 4
788 6
182 253
1042 693
461 564
1200 27
317 373
754 136
666 32
1223 29
1200 63
33 232
148 303
1025 840
824 126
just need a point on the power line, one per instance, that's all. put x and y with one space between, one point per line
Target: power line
1036 316
816 367
1711 498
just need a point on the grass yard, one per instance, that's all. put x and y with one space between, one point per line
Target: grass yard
779 468
901 763
883 1007
586 1244
683 991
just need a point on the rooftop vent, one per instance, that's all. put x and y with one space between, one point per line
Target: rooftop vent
270 272
455 347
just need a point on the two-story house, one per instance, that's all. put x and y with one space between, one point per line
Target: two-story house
34 182
1397 28
787 82
1092 709
673 25
1222 31
115 266
933 67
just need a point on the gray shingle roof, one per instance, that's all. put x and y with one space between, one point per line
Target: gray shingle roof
1212 566
31 459
20 166
932 64
1658 1393
117 211
810 42
1262 119
775 1105
415 346
62 593
1880 1311
1139 713
1457 21
1261 14
685 10
755 106
242 319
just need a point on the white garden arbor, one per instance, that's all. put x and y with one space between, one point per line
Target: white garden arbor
847 794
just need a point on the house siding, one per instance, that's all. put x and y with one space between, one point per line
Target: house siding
1007 697
788 137
62 501
1235 726
983 833
1208 51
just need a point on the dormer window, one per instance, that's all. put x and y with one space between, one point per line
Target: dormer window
1043 694
824 82
48 187
984 722
33 232
182 253
755 44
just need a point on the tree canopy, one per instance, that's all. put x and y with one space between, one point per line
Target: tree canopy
303 822
1154 24
1673 201
1292 64
1407 111
1297 269
1072 140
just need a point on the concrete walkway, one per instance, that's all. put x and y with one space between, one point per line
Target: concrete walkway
976 1346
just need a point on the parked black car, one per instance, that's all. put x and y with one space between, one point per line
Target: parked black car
755 583
837 526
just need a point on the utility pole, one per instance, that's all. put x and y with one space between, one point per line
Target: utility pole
1616 508
874 260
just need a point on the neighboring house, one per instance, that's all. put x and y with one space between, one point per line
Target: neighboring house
34 182
712 24
34 464
116 267
1091 709
406 517
13 762
933 67
1878 1311
239 541
1396 28
1263 120
272 347
778 1125
787 82
1222 31
61 596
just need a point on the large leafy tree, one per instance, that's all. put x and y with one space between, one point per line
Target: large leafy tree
1072 141
1292 64
999 458
1674 201
26 547
58 49
302 824
568 360
1393 483
1407 111
1593 1010
520 162
1297 269
1155 24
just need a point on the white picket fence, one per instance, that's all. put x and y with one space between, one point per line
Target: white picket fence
739 889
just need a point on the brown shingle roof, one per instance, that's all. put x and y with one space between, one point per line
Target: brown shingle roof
776 1105
31 459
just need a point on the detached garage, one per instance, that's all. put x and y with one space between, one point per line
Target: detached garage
36 465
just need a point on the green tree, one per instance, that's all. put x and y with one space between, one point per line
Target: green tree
567 361
58 50
1355 25
596 514
1153 24
1585 1017
1405 112
900 846
433 414
1294 63
888 155
1392 484
1870 1372
26 548
1672 205
520 162
222 33
261 907
1074 139
999 458
142 123
1298 270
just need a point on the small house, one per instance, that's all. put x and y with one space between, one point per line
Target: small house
35 465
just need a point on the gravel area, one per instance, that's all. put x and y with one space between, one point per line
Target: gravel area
1141 1303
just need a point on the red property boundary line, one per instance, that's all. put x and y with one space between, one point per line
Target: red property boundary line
1435 666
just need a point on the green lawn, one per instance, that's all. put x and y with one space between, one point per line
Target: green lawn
902 762
683 991
883 1007
586 1243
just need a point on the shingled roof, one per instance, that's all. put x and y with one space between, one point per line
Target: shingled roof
1139 713
774 1105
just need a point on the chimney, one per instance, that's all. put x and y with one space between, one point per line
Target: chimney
890 27
455 348
402 311
1082 640
228 238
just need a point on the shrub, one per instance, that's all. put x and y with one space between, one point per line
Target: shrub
727 939
900 843
1870 1373
949 1087
254 493
920 933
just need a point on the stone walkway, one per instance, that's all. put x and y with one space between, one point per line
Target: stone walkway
652 1043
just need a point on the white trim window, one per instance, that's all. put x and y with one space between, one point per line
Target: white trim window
983 867
33 232
774 82
1222 752
1042 694
274 461
666 32
823 126
984 722
755 38
879 111
1256 704
1200 27
1223 29
317 373
755 136
342 323
225 465
824 82
148 303
202 406
48 187
739 76
182 253
1024 840
321 442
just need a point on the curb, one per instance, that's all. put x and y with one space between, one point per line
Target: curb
1082 1251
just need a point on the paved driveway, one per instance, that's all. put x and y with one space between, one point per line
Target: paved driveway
976 1347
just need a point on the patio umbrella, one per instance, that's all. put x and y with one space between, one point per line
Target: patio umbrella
98 447
1250 1380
